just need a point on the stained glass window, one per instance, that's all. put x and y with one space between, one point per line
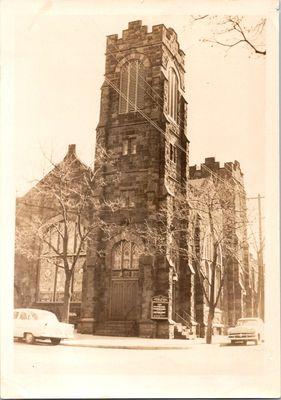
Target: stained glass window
59 289
117 256
51 274
47 281
135 257
208 250
77 281
125 256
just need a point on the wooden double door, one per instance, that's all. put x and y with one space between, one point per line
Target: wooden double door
124 299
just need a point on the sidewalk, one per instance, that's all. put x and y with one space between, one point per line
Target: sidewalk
136 343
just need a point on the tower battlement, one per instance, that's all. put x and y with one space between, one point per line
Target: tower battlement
138 35
228 170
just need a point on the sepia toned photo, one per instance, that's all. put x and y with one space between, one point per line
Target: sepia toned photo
139 146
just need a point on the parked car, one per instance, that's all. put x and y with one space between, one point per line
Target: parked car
31 324
247 329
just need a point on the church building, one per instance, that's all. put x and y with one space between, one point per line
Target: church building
119 287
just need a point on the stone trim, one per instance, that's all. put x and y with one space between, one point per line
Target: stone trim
131 57
121 236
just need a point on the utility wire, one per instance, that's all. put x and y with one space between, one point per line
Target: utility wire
141 112
145 82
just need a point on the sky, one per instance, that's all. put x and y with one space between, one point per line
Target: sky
58 71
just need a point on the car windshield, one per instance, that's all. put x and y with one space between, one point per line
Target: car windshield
247 322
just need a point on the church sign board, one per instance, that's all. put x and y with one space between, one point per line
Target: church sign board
159 307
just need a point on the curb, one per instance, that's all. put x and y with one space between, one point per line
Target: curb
127 347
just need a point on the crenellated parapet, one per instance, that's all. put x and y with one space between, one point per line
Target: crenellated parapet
137 33
159 48
227 171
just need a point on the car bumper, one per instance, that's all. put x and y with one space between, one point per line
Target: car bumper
56 334
237 337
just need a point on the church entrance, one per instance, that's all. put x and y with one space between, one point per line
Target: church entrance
123 301
124 289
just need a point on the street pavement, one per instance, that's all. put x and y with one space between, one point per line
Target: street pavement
113 342
102 367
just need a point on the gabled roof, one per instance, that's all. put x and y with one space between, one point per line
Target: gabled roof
70 158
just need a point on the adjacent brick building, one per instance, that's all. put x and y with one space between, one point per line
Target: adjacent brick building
238 297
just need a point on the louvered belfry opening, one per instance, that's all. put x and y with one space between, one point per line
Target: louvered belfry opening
132 81
173 95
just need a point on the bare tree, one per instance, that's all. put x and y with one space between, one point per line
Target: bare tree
182 228
232 31
67 203
222 225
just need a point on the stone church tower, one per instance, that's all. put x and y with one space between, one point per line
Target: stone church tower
142 126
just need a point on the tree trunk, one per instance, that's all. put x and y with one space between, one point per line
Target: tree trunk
210 326
66 298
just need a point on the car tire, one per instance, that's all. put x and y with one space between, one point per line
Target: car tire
29 338
55 341
258 340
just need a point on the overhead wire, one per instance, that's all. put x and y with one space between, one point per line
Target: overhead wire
161 130
144 80
156 126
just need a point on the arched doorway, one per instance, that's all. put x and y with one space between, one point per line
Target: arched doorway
124 289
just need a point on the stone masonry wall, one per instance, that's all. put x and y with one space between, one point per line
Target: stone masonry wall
147 175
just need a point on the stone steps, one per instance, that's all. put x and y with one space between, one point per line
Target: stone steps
181 332
116 328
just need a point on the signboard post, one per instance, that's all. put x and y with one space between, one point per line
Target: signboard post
159 307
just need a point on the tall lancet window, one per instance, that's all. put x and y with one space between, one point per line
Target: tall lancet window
132 85
173 95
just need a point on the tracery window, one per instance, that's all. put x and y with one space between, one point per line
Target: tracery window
132 83
173 95
125 256
207 258
51 272
208 250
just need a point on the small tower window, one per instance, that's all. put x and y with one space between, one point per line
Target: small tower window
173 153
133 146
128 198
173 95
125 147
129 146
132 84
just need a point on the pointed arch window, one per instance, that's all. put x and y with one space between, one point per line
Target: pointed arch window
51 277
173 95
132 81
208 249
125 256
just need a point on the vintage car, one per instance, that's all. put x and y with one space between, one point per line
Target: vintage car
31 324
246 330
